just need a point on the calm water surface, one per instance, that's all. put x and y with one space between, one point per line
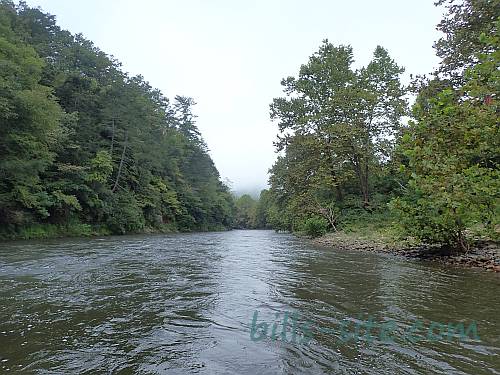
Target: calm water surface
184 304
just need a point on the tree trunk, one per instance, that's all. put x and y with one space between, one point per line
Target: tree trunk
333 174
362 173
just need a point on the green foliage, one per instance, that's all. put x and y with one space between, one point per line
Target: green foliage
71 229
452 150
125 215
29 116
345 155
63 201
246 208
81 140
101 168
336 126
256 214
262 211
315 226
463 26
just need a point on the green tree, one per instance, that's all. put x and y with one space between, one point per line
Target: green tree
264 204
453 158
337 127
29 131
463 25
245 212
83 142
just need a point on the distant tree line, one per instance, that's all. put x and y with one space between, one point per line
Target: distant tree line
346 153
86 148
253 213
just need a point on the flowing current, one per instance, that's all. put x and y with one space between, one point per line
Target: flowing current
239 302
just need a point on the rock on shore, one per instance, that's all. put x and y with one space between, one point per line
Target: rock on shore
484 254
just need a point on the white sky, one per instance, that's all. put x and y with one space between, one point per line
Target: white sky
231 55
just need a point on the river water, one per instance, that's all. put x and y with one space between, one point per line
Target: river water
239 302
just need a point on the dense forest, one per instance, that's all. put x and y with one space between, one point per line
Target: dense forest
86 148
349 157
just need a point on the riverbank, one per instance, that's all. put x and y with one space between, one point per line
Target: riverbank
484 254
72 230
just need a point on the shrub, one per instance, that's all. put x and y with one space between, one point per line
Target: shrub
315 226
126 215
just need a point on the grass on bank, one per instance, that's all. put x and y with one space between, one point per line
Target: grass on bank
378 227
77 229
43 231
383 229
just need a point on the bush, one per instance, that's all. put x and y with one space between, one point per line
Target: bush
126 215
315 226
46 230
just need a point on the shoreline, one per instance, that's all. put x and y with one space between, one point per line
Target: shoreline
484 255
95 233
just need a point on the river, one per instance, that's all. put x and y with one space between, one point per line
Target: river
239 302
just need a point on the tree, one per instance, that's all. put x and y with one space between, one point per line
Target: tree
463 26
262 211
245 212
381 107
453 158
337 127
84 143
30 128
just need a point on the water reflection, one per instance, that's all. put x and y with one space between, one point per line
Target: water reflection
185 303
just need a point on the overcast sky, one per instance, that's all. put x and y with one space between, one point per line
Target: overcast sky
230 56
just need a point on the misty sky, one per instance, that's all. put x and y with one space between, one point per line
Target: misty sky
230 56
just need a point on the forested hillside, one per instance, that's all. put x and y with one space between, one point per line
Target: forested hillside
86 148
348 156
